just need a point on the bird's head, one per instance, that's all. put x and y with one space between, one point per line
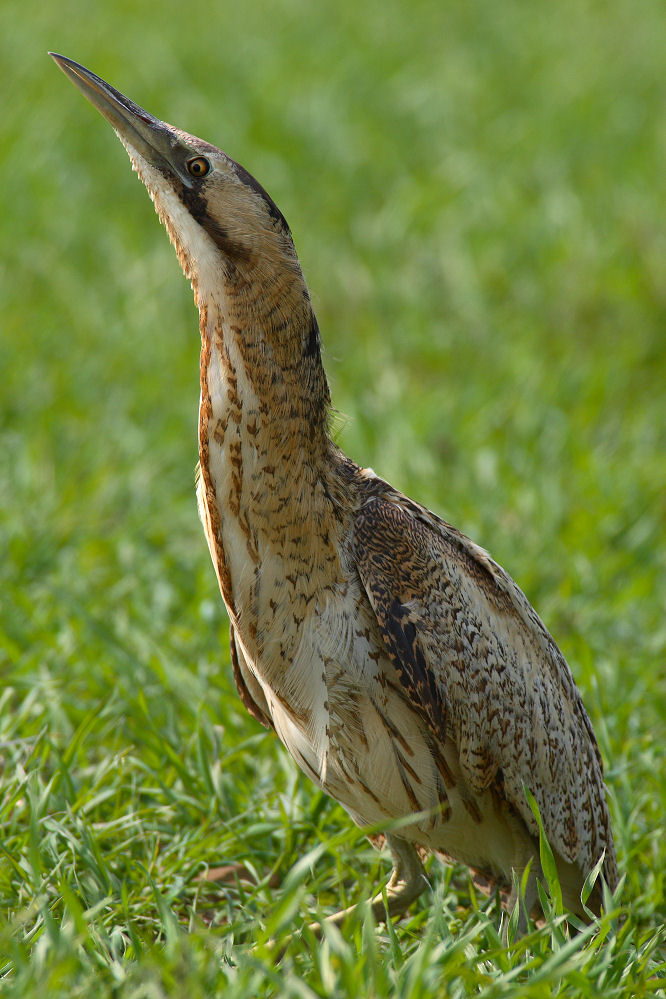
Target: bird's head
217 215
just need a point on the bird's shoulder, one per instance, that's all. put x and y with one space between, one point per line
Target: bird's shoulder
403 543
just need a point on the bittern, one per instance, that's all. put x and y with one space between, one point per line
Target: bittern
403 669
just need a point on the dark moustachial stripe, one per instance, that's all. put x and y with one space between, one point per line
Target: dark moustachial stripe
197 205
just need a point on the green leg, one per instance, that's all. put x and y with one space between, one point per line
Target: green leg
405 885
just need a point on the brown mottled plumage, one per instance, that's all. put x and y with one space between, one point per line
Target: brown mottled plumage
405 672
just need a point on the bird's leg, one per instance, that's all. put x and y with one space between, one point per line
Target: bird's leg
406 883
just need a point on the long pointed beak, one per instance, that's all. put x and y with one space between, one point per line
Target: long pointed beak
152 138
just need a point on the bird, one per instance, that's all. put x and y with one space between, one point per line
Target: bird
402 668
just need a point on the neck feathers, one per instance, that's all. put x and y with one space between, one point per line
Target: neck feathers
260 320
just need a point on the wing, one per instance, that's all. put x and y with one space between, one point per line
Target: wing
475 658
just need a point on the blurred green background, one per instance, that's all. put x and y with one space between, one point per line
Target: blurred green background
476 191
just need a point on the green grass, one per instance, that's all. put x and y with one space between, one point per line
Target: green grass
476 192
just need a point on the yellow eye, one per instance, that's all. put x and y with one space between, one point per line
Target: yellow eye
198 166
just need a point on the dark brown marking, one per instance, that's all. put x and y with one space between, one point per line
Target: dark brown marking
302 716
312 344
369 792
445 804
442 766
416 805
197 204
307 767
396 734
405 765
472 808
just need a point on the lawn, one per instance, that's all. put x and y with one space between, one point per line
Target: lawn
477 194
